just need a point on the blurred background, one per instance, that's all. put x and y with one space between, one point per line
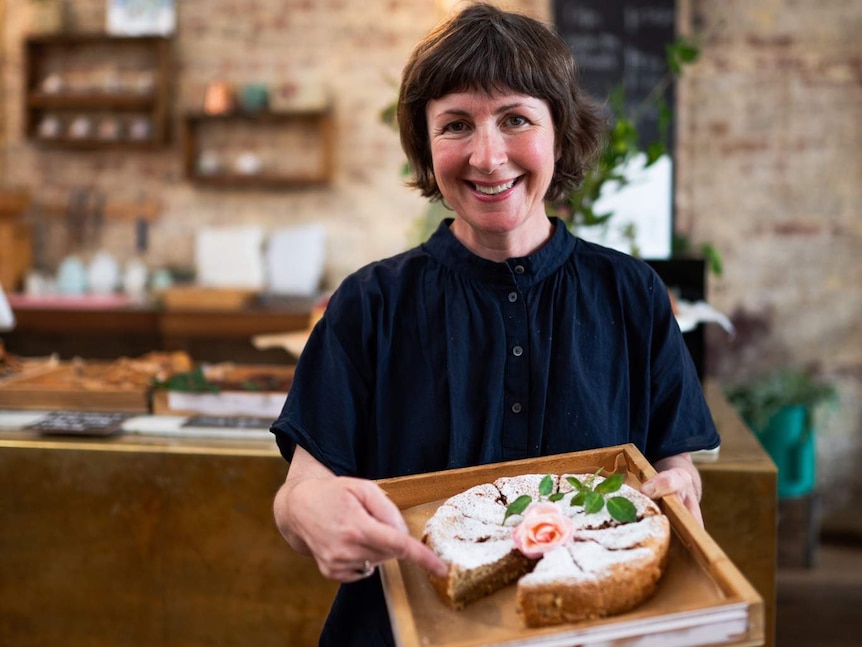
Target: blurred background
245 148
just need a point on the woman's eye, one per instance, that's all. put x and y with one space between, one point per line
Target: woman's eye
455 127
516 120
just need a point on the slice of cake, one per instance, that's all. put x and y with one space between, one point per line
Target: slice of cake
578 547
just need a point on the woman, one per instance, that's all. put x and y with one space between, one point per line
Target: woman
502 337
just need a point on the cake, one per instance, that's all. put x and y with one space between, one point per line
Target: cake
558 537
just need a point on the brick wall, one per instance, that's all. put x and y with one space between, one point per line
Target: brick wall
768 164
770 171
352 50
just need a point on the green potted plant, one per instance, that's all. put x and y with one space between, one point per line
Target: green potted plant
623 145
779 407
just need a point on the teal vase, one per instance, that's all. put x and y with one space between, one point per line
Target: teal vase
789 439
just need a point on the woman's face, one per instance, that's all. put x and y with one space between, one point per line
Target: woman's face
493 158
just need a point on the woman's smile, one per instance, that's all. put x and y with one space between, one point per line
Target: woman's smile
493 190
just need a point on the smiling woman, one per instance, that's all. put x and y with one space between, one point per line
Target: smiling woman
502 337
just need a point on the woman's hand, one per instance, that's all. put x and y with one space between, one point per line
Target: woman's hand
677 475
348 525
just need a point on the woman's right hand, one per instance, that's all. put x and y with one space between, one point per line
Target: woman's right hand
345 523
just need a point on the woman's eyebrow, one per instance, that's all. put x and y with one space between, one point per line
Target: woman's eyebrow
504 108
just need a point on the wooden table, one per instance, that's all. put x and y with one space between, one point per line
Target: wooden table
144 541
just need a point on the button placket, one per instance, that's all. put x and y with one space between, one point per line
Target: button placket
516 379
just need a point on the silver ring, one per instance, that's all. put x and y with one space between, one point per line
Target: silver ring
367 569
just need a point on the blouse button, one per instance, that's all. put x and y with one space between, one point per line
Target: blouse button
517 351
516 408
519 269
513 296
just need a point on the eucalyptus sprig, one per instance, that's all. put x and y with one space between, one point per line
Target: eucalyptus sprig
591 497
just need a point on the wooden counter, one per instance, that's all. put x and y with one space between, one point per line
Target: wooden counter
140 541
137 542
740 502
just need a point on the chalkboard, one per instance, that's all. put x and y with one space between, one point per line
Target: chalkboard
621 42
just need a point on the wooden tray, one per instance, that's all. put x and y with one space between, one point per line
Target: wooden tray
72 386
702 599
27 367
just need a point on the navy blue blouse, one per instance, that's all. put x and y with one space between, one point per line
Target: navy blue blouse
437 359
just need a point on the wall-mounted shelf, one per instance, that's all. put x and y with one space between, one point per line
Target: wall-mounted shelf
93 91
281 149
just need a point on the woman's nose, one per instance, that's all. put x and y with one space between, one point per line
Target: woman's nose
489 151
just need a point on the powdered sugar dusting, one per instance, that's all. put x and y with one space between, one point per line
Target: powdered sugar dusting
511 487
450 521
481 502
469 554
626 535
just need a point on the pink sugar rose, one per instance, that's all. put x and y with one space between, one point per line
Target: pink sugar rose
544 528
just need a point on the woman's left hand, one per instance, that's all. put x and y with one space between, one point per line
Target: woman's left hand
677 475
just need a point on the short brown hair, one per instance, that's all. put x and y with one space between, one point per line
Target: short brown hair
485 48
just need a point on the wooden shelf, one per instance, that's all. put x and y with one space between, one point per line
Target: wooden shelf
92 143
97 77
128 330
90 101
302 135
261 180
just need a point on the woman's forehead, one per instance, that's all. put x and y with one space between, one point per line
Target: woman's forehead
479 99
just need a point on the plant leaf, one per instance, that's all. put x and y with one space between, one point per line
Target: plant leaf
576 483
518 506
546 486
579 498
654 153
622 509
594 502
611 484
556 496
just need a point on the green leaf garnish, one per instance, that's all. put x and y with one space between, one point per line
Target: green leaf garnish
579 498
517 506
594 502
610 484
590 497
576 483
622 509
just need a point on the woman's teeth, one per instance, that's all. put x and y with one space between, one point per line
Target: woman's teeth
497 188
